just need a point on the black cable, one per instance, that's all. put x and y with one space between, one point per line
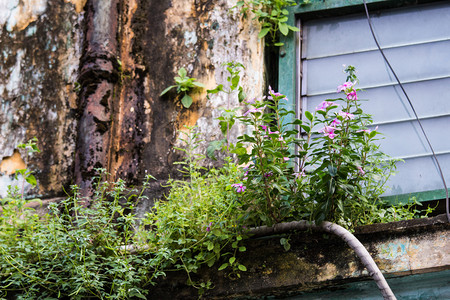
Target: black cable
412 107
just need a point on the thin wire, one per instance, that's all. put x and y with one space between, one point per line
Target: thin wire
413 109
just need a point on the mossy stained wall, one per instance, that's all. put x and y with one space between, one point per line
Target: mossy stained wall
84 77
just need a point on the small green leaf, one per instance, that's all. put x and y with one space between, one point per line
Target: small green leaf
283 28
234 82
293 28
186 101
309 116
167 89
210 246
222 267
218 88
211 262
198 84
242 249
242 268
31 180
182 72
213 147
263 32
340 205
232 260
241 95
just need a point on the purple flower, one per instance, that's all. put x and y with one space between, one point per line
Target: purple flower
352 96
324 105
274 132
268 174
344 86
208 229
346 115
251 101
264 127
239 187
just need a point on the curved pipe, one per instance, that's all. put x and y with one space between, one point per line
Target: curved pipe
344 234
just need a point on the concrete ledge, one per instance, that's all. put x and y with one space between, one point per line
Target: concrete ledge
318 260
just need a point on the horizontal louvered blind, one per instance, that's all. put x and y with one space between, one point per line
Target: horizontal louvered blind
417 43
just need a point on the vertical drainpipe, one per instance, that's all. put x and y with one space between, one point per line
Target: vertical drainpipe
98 77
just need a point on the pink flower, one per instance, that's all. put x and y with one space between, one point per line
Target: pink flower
346 115
328 131
344 86
361 171
251 101
239 187
274 94
352 96
274 132
324 105
300 174
367 130
335 122
264 127
254 110
286 158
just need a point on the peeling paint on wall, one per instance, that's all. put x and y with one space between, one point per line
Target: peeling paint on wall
40 44
134 129
9 164
17 15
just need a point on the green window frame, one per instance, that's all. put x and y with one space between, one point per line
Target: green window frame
289 74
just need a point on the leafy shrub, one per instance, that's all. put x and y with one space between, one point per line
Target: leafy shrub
74 251
325 166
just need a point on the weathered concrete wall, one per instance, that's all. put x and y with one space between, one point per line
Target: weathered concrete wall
40 44
316 260
120 55
199 35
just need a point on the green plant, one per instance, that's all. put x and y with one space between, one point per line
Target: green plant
14 211
105 252
338 173
184 85
75 251
198 223
27 175
272 15
228 116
